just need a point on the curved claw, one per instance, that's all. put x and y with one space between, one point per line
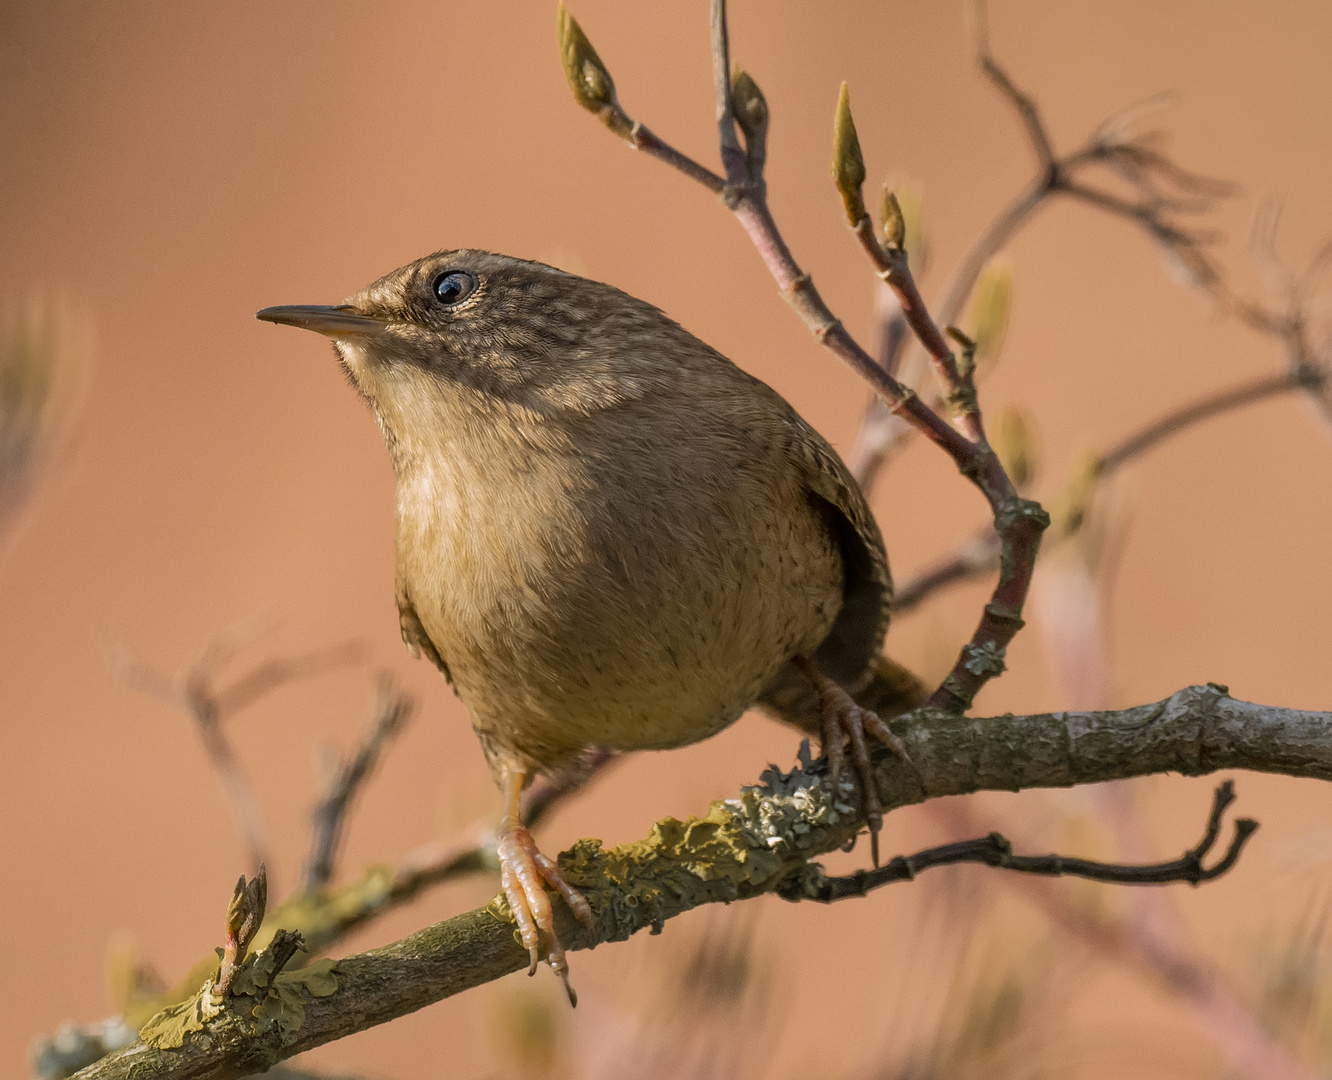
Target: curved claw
524 874
844 721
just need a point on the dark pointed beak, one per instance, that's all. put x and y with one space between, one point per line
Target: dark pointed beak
335 322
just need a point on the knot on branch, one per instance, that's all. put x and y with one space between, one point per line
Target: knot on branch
1019 510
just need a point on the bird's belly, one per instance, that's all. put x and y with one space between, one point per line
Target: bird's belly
629 626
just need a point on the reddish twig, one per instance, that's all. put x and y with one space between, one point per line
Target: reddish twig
979 555
1112 145
1017 520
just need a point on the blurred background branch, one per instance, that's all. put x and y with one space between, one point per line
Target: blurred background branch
45 348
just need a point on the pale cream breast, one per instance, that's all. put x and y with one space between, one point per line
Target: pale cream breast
636 599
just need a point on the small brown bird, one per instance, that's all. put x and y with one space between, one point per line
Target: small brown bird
608 534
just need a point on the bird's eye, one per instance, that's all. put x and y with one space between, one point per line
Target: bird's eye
454 287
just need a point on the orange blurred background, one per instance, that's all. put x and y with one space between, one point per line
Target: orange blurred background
170 168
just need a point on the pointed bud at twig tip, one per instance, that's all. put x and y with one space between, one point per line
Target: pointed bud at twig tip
894 223
589 80
236 909
961 338
848 166
260 900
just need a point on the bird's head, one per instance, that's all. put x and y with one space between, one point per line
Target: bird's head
488 330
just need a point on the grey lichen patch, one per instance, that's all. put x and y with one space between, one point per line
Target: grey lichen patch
984 660
792 813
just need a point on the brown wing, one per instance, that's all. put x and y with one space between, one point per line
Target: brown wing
414 636
851 653
857 635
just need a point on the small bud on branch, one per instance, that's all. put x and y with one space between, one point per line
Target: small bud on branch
848 167
751 113
589 79
245 913
894 223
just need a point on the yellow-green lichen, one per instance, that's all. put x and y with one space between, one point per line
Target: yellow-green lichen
741 847
168 1028
281 1007
268 1003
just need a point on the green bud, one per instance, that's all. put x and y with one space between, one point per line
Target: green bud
894 224
848 167
1068 509
751 107
588 78
907 196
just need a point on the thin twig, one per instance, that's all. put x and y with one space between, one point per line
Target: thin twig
192 692
1112 144
994 850
978 556
1138 947
1236 397
432 864
1018 522
1023 104
392 709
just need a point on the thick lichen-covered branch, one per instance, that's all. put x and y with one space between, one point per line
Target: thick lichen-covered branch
742 848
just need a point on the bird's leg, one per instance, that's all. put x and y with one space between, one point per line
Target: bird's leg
842 720
524 875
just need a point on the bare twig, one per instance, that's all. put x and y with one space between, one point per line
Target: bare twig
1022 104
392 709
1236 397
326 919
1142 166
192 691
994 850
1137 947
1148 172
978 556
